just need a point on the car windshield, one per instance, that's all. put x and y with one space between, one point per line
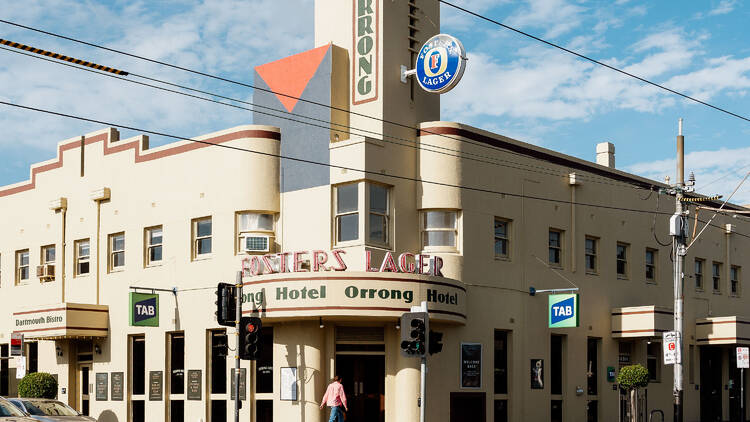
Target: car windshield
7 409
48 408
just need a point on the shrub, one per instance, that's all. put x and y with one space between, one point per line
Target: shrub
39 385
632 377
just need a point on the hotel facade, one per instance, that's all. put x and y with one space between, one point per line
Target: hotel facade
346 203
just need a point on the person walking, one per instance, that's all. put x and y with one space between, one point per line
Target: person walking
335 399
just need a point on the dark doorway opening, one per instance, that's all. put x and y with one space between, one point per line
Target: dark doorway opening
711 385
364 385
468 407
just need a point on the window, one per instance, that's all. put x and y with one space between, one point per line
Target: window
555 247
439 229
22 266
699 263
650 264
117 251
716 271
501 362
556 364
83 255
502 238
201 237
347 215
218 364
653 355
370 198
592 364
254 231
154 245
47 270
734 280
591 247
378 231
622 260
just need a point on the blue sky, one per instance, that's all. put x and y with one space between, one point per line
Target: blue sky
513 85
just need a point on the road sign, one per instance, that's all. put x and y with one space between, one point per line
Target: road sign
563 310
743 357
16 344
672 349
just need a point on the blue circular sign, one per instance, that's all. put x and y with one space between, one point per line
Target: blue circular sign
440 63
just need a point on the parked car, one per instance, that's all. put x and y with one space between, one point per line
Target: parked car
49 410
10 413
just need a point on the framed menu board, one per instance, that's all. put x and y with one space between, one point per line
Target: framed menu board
102 386
194 384
118 386
155 385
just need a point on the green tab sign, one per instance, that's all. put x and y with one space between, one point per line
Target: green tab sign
563 310
144 310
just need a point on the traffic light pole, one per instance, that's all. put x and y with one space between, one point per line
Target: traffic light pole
423 371
679 261
238 316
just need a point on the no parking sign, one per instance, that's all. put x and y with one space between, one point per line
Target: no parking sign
672 351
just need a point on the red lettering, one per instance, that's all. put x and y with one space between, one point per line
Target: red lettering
282 264
436 266
337 254
298 262
319 258
388 263
422 260
406 267
368 261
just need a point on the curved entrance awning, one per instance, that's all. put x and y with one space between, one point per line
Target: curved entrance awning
353 294
62 320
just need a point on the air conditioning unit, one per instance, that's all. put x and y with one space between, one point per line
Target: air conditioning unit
46 271
256 243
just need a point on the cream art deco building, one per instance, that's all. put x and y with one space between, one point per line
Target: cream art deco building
359 221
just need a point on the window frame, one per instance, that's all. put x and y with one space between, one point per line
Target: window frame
559 249
653 266
716 268
507 239
594 255
195 239
370 212
243 234
363 213
626 268
112 252
147 246
657 358
699 276
44 261
20 266
423 230
338 215
735 276
81 259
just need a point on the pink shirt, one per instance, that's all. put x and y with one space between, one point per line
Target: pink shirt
335 395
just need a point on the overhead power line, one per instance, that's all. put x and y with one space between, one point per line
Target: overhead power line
409 143
247 85
341 167
600 63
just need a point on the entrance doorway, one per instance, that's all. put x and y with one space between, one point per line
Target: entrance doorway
711 383
364 384
84 387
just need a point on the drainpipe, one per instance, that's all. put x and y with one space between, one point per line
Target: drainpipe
61 205
573 239
99 196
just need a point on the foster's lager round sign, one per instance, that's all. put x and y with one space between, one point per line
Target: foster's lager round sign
440 63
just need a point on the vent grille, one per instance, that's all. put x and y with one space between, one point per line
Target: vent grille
371 334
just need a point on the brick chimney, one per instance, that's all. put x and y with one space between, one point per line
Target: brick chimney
605 154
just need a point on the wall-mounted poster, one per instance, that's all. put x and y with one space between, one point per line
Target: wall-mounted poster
537 374
471 365
288 384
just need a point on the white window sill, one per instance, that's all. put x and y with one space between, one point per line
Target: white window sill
502 258
203 257
154 265
590 272
81 275
117 270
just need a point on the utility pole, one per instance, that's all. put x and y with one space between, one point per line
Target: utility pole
678 229
238 317
423 369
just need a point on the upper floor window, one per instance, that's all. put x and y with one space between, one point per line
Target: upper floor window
254 231
372 200
650 264
46 270
716 272
699 264
116 251
22 266
502 238
439 229
734 280
591 246
622 260
154 245
202 235
82 257
555 247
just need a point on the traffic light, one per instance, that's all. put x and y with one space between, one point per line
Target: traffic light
435 342
249 342
226 304
414 327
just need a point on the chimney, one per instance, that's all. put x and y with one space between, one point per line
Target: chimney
605 154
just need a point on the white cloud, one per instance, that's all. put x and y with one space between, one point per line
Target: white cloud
724 7
557 17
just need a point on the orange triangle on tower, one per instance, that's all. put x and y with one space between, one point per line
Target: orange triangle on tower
288 77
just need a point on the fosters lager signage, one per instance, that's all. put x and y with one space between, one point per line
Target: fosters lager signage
365 51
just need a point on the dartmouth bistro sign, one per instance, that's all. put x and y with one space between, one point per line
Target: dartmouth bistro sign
317 282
